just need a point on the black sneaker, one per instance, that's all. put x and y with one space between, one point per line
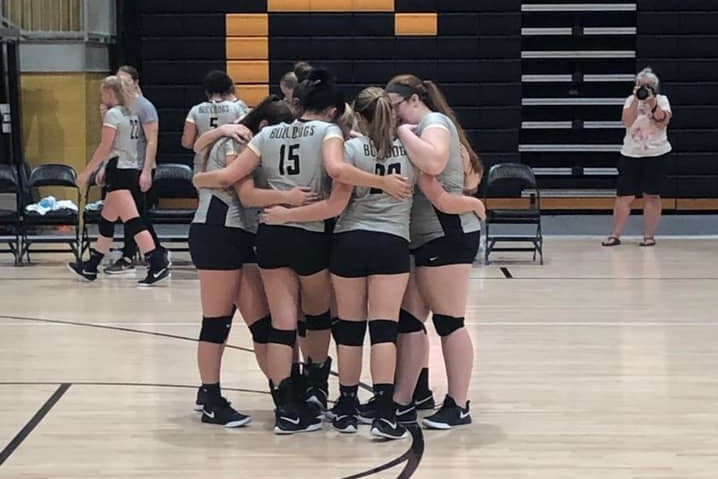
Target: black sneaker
224 415
367 411
345 414
318 386
121 266
157 270
448 416
79 269
406 414
201 399
290 420
388 428
424 401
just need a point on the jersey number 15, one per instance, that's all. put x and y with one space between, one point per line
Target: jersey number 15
289 160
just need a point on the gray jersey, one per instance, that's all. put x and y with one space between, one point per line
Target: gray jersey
428 223
370 209
222 206
147 113
211 114
127 127
291 155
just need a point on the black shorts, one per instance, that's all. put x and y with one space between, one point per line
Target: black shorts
640 175
215 247
121 178
305 252
247 242
453 249
358 254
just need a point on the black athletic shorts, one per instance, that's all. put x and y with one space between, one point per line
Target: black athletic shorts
215 247
305 252
640 175
121 178
358 254
247 242
454 249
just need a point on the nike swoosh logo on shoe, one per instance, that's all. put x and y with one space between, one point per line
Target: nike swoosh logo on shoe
464 415
211 416
391 424
400 412
159 273
292 421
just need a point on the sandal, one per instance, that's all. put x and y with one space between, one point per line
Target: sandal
648 241
611 241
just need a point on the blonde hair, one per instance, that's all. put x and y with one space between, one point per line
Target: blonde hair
124 90
347 121
374 105
429 93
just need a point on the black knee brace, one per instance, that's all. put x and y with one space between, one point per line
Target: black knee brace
302 328
106 227
445 325
408 323
134 226
261 329
320 322
383 331
283 336
215 330
349 333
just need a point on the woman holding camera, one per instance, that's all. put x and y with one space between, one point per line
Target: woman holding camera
646 115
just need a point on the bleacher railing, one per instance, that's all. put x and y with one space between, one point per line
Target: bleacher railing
88 20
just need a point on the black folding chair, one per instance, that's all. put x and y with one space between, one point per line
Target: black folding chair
172 181
11 218
58 175
514 178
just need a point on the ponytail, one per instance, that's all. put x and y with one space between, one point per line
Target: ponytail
429 93
375 106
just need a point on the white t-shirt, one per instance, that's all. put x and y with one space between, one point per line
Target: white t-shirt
646 138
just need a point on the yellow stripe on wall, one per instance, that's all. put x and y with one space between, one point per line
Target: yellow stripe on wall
247 48
424 24
248 71
247 25
252 94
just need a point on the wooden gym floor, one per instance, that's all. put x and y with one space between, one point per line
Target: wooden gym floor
601 364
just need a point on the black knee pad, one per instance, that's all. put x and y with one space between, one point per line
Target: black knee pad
349 333
134 226
445 325
106 227
261 329
320 322
283 336
408 323
302 328
215 330
383 331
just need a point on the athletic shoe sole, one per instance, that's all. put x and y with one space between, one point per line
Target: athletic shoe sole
116 273
310 428
376 432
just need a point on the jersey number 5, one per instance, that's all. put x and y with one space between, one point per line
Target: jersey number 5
381 170
289 160
213 122
134 129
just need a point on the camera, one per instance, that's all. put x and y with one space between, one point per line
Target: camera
644 92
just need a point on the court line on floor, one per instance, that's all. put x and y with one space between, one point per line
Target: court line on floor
413 455
33 422
505 271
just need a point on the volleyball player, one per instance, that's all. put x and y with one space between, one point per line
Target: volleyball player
118 147
296 256
370 260
220 108
221 241
147 152
444 247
